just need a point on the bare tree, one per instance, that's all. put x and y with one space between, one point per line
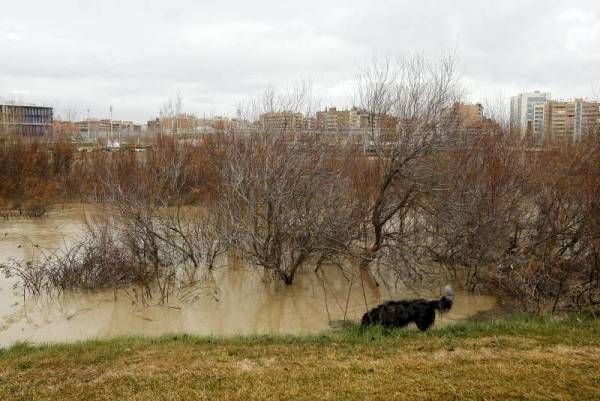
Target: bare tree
283 191
408 103
477 216
164 212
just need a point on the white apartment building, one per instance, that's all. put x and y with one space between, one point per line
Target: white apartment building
537 124
526 113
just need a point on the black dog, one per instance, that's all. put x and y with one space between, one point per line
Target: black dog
401 313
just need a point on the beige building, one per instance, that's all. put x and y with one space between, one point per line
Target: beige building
310 124
469 114
190 124
281 120
182 124
565 121
332 120
358 119
92 128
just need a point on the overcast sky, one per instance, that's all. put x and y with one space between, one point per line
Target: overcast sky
134 54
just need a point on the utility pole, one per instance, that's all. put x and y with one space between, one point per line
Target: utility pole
111 127
161 124
89 138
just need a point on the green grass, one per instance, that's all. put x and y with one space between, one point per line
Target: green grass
572 330
515 358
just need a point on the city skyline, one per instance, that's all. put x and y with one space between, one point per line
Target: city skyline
218 54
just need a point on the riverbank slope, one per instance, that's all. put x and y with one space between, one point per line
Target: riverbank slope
516 358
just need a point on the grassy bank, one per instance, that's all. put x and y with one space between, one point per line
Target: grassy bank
517 358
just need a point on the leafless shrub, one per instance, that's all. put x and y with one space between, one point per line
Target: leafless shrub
522 223
157 215
555 262
33 174
32 276
283 201
478 213
408 105
97 261
282 195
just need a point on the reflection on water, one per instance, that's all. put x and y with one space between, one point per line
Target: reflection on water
230 300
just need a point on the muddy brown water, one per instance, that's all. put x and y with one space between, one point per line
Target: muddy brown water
232 300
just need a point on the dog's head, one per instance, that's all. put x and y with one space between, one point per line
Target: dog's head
448 293
447 299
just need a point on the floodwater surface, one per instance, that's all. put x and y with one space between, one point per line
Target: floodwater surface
230 300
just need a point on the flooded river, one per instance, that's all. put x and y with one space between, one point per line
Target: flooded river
231 300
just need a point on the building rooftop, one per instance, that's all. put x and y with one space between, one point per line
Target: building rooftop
10 104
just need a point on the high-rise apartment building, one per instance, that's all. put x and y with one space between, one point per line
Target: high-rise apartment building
566 121
587 115
537 122
25 120
525 117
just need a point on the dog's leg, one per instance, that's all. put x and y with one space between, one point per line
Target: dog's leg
426 320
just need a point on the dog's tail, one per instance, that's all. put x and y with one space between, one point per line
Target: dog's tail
445 302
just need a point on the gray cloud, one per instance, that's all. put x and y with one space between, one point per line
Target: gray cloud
135 54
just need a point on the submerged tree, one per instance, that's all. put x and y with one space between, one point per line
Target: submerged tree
408 104
283 192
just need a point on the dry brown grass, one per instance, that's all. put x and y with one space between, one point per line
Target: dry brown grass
438 366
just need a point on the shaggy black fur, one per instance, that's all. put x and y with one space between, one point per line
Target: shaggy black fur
401 313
